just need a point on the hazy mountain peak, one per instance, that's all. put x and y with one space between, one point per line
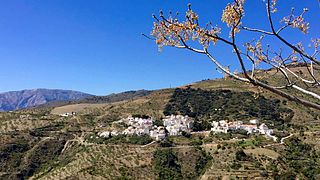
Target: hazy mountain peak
14 100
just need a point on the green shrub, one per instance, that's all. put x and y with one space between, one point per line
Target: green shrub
166 164
158 122
206 106
203 161
302 158
235 166
241 155
166 143
120 139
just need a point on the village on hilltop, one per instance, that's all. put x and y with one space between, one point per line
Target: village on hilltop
174 125
252 127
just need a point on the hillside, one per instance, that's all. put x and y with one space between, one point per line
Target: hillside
79 153
14 100
153 103
94 101
115 97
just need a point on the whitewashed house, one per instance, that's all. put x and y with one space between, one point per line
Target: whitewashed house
105 134
263 128
219 127
158 134
175 124
254 121
224 126
250 128
173 131
65 114
114 133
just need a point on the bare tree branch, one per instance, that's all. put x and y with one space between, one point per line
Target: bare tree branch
286 42
171 32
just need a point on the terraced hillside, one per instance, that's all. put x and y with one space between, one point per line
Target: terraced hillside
40 144
157 100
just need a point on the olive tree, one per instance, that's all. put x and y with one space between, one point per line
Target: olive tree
187 33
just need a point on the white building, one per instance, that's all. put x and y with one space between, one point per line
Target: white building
105 134
263 128
219 127
224 126
67 114
175 124
158 133
250 128
114 133
139 126
254 121
129 131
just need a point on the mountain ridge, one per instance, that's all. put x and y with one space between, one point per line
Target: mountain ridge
14 100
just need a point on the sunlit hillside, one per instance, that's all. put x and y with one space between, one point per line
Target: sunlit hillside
39 143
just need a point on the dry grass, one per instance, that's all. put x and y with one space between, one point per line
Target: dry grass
106 162
151 105
263 151
154 103
74 108
21 125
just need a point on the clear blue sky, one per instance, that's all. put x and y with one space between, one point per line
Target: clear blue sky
95 46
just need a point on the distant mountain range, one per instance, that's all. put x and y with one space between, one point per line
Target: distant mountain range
15 100
111 98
